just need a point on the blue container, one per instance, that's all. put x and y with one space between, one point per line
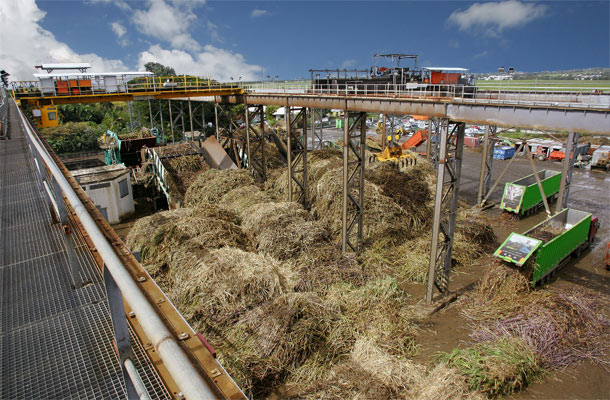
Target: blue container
504 152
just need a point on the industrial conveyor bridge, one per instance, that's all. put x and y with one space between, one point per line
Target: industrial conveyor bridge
80 316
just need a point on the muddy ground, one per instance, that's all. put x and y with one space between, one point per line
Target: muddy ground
590 192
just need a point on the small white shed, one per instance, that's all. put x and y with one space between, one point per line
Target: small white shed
109 187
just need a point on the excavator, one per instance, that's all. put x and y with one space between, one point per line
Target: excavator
417 139
395 153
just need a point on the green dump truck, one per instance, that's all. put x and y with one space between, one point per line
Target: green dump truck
523 196
550 243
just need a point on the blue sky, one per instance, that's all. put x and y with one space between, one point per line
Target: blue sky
234 38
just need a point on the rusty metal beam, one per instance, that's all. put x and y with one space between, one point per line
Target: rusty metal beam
555 117
354 146
566 171
226 128
255 142
486 163
445 206
296 144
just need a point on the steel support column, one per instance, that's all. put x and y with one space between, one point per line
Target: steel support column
176 115
317 132
486 163
130 110
429 139
191 120
445 205
354 146
150 115
255 142
296 145
171 119
567 169
434 140
383 132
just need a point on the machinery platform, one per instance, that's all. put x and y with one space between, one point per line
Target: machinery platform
55 341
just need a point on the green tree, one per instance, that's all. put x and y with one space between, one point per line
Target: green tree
73 137
83 112
159 69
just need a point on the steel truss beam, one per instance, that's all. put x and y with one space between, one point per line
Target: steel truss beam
132 123
226 131
486 163
317 142
296 143
176 118
196 109
445 205
354 146
567 169
255 141
155 114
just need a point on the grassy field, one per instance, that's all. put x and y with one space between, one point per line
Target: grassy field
551 85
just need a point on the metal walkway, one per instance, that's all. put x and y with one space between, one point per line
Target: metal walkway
55 341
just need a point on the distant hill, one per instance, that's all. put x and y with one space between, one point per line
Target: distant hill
572 74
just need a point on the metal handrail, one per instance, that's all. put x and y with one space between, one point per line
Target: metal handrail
175 360
590 98
123 86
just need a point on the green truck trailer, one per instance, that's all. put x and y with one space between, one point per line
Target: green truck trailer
550 243
523 196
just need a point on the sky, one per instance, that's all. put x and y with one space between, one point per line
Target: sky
248 40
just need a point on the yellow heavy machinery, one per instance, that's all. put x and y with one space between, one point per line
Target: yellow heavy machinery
394 153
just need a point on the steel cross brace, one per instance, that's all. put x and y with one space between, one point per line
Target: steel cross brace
318 131
296 146
567 169
433 144
445 205
176 117
486 163
354 146
195 122
226 133
158 113
255 142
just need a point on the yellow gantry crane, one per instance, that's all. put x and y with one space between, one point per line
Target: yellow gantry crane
62 85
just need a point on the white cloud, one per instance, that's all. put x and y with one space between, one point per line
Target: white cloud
258 13
25 43
118 29
216 63
492 18
351 63
122 4
213 29
168 23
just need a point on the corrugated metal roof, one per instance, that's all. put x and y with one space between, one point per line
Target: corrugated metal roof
92 74
448 69
64 66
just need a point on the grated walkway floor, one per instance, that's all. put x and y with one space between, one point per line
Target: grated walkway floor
55 341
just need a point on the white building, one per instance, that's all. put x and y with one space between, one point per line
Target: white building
109 187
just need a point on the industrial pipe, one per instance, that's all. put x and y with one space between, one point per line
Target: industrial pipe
188 380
